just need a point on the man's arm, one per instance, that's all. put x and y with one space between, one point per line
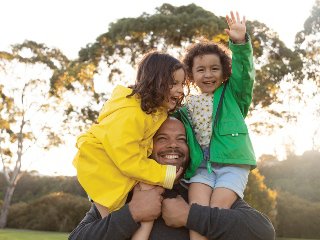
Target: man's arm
239 222
119 225
122 224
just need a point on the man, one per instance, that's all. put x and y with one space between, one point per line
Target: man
169 147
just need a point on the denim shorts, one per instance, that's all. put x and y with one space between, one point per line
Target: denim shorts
233 177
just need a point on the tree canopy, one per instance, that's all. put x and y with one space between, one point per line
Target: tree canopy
171 28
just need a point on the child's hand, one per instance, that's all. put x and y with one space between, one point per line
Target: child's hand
237 28
178 174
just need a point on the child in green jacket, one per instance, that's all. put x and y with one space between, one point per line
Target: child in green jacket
221 152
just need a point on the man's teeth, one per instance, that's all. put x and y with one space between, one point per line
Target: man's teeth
171 156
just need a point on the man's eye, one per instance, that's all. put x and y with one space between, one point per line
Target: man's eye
182 140
161 139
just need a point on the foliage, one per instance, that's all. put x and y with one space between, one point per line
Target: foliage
308 44
25 105
296 181
32 186
259 196
297 93
171 29
297 175
54 212
297 217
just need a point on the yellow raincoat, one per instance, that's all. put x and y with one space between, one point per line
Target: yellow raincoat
113 154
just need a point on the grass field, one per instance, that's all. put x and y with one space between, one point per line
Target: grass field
16 234
291 239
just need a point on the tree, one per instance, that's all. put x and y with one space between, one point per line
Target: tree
259 196
307 44
172 29
24 91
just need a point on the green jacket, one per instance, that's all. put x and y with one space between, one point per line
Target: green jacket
230 142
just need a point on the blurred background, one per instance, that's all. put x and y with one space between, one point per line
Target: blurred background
60 60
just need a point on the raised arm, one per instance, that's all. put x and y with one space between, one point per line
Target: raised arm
243 72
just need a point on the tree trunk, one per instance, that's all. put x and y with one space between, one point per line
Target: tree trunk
6 204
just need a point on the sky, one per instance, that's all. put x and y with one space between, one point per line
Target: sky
71 24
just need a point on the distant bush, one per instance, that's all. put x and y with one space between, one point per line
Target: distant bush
33 186
298 175
297 217
54 212
259 196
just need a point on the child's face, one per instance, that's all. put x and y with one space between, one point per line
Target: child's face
176 91
207 72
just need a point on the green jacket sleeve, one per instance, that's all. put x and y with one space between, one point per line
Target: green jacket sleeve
243 74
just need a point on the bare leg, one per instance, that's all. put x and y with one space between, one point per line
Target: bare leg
223 198
102 210
199 193
145 229
143 232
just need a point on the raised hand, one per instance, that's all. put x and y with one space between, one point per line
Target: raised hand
237 28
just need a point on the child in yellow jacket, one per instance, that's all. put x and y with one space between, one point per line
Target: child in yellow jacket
113 154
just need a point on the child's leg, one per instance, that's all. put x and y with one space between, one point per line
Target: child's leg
143 232
145 229
223 198
104 212
199 193
230 184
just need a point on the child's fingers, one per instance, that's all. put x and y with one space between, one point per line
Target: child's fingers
232 17
238 17
179 172
228 21
244 20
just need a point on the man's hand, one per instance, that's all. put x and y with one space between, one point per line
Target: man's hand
237 28
175 211
145 205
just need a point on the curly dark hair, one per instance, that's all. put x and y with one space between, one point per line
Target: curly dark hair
155 79
204 47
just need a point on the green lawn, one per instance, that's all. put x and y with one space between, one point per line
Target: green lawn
294 239
17 234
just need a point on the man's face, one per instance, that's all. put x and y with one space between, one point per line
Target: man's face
170 145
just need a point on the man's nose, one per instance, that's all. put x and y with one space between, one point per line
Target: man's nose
172 144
